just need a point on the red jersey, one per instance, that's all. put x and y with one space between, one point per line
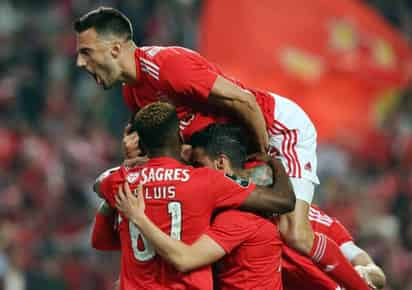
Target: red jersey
299 272
180 200
184 78
253 251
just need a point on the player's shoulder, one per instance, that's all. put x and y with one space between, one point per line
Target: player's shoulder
107 177
160 53
237 216
108 173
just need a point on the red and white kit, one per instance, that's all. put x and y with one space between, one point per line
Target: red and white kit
299 272
177 206
184 78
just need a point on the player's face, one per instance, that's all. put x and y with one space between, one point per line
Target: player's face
99 57
199 158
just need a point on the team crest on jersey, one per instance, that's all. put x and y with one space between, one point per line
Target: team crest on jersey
132 177
241 181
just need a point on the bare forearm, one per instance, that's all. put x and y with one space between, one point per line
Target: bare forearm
243 105
281 183
174 251
253 119
278 198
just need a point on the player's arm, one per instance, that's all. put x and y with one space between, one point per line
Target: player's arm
183 257
188 76
277 198
359 258
364 264
241 103
104 237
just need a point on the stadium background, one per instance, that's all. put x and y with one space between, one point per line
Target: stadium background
58 130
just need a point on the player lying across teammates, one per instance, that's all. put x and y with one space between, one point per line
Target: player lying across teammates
203 94
180 200
251 244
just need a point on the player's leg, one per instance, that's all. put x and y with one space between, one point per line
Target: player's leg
297 232
293 138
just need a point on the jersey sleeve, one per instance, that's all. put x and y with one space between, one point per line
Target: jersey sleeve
107 184
104 235
229 230
188 75
228 192
339 233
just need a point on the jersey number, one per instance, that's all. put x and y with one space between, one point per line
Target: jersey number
174 209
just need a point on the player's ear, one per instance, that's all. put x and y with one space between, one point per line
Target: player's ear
115 52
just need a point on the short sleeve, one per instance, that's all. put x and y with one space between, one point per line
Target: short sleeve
188 74
229 229
129 99
339 233
108 182
228 192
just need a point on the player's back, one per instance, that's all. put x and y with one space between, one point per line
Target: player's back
185 78
253 251
180 200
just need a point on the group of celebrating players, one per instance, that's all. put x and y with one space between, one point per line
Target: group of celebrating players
183 199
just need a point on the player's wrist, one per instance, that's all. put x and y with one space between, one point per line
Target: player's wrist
139 218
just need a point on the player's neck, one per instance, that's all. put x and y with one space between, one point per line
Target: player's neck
165 152
128 64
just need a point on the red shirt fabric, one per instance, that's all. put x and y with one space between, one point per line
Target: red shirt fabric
253 251
298 271
104 234
180 200
184 78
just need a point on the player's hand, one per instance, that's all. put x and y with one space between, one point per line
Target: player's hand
131 204
363 272
135 161
130 142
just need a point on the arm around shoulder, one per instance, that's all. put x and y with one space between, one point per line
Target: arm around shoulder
279 198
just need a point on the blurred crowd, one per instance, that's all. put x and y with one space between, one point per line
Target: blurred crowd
58 131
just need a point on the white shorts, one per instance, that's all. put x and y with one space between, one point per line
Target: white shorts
292 138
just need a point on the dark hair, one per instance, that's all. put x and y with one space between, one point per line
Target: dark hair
105 20
156 124
221 139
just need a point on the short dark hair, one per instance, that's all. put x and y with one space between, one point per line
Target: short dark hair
225 139
105 20
156 124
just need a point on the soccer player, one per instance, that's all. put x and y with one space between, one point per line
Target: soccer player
180 201
223 151
250 245
299 272
203 94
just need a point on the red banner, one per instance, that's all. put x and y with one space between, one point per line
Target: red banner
334 58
